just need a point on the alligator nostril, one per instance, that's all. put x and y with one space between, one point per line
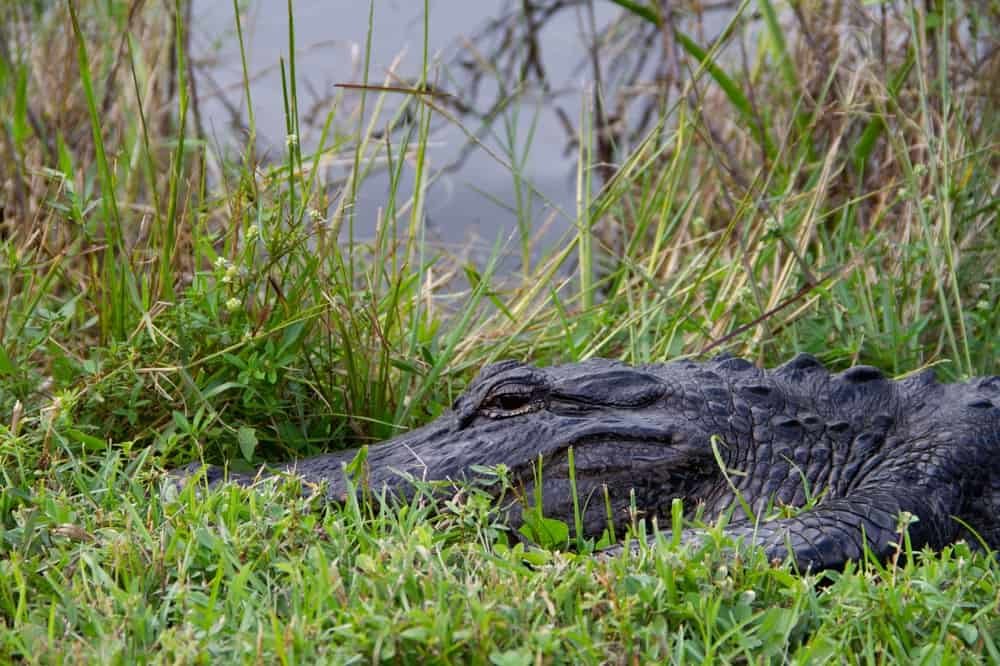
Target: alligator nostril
464 419
981 403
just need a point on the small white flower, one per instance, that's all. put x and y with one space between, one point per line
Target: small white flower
292 140
905 520
234 304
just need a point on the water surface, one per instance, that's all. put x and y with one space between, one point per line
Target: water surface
473 201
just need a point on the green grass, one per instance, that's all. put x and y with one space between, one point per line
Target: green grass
160 304
240 574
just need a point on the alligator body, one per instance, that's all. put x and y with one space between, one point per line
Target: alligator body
858 449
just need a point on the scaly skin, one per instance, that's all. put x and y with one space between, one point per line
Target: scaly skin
867 447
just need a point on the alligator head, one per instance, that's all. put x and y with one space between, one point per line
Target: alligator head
630 431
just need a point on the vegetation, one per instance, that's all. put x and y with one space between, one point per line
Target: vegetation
834 190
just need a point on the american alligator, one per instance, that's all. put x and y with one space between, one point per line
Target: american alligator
859 451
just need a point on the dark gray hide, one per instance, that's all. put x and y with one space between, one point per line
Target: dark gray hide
869 448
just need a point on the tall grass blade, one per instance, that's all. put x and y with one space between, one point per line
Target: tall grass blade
119 280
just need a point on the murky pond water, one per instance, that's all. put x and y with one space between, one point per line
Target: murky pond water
474 200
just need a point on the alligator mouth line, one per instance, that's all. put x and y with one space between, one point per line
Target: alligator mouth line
609 452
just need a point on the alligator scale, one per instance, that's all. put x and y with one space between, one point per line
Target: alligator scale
866 449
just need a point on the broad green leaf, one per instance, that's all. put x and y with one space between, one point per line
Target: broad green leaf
6 365
247 438
89 442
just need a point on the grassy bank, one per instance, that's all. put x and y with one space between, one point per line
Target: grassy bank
163 300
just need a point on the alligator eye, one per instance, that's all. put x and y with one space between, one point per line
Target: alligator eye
511 403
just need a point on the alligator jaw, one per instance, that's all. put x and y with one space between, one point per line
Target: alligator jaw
612 476
389 465
611 471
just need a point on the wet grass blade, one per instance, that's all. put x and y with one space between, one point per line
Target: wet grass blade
777 37
643 11
733 92
119 281
876 126
168 243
